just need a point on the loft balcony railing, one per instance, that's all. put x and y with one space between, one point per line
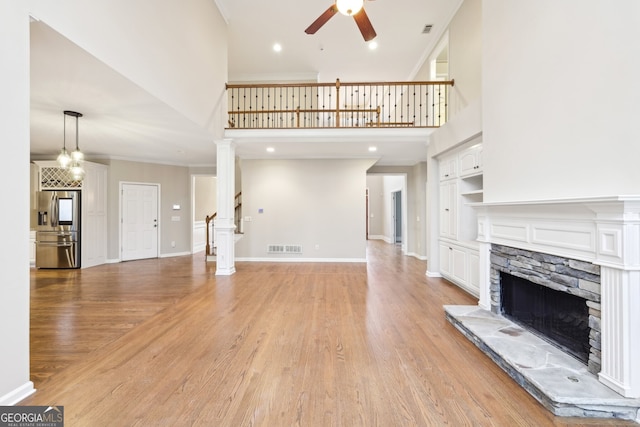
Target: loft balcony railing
338 105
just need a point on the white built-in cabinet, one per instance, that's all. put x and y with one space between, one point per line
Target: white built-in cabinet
461 184
94 215
470 161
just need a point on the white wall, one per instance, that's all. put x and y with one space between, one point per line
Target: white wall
306 202
376 212
175 188
177 51
560 99
204 195
157 52
14 262
465 47
179 55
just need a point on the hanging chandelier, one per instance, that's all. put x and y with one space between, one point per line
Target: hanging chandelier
71 162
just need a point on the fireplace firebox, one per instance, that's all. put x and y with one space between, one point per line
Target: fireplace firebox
558 317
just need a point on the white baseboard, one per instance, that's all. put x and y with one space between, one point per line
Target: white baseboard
380 237
170 255
415 255
17 395
302 259
174 254
433 274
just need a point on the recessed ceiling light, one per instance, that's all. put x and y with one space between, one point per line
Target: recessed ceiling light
373 45
277 47
270 149
372 149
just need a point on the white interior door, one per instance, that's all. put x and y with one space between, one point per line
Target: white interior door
139 221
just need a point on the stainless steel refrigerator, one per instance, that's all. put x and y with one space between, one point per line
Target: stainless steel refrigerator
58 230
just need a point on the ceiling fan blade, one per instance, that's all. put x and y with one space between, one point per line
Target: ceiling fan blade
322 19
364 25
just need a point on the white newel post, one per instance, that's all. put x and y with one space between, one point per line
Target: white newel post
619 257
224 226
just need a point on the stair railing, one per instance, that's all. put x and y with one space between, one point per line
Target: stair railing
210 246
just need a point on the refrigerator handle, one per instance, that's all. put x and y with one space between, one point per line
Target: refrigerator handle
54 211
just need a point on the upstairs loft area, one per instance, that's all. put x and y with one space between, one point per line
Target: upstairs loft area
338 105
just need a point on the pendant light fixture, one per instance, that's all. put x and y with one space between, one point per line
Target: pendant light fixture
63 158
72 162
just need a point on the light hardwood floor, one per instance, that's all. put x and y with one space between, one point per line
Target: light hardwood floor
165 342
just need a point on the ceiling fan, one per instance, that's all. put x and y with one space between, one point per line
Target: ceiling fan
350 8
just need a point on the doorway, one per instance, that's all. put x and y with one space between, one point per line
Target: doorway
397 216
139 222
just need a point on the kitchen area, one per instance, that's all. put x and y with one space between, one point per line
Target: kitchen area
68 221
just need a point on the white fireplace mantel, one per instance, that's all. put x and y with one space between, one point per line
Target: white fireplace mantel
601 230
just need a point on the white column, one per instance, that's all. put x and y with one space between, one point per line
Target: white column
484 297
224 226
618 238
14 263
620 326
484 238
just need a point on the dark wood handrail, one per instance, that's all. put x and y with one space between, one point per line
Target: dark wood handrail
338 83
337 105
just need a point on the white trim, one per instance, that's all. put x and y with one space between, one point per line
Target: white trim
601 230
18 394
415 255
380 237
251 259
174 254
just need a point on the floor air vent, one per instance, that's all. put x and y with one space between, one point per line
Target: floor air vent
284 249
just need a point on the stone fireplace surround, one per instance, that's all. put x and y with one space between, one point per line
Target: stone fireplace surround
602 231
559 273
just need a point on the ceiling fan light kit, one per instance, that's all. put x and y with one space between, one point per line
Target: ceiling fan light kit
353 8
349 7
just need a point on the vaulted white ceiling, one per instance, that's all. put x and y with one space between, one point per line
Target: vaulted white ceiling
337 50
135 125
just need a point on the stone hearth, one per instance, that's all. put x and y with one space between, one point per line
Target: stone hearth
602 232
558 381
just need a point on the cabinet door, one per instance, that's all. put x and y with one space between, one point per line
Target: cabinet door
474 271
470 161
448 211
445 257
458 264
448 168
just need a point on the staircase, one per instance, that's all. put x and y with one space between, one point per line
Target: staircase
210 249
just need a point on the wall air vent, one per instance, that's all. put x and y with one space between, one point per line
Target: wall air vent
284 249
427 29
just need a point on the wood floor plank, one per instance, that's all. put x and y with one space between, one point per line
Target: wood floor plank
165 342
